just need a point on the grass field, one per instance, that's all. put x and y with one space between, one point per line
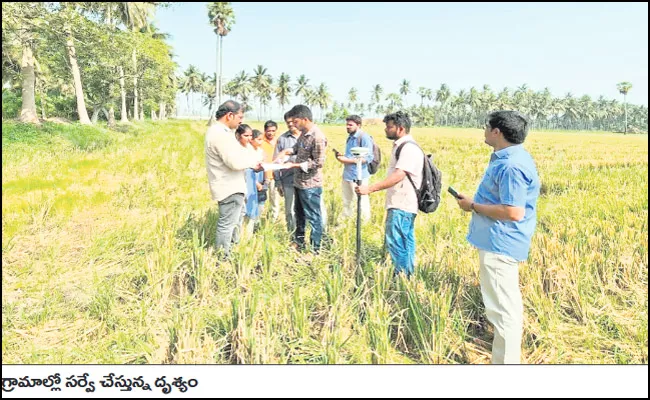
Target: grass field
106 256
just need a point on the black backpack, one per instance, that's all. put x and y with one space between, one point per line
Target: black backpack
429 192
373 167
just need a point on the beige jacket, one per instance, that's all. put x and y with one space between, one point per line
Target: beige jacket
226 160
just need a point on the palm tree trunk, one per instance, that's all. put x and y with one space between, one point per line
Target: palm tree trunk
216 75
220 70
135 86
28 108
161 110
76 75
123 116
625 107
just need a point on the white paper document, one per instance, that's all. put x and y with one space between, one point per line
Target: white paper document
273 167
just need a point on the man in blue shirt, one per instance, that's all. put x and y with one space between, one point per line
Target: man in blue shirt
356 138
503 221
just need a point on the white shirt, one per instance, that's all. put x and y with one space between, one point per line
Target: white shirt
411 160
226 160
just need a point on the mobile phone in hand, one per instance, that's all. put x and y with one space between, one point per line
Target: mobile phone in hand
336 152
453 192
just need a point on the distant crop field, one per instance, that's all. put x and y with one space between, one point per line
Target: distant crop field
107 258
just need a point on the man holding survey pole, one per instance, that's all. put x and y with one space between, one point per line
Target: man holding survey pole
356 138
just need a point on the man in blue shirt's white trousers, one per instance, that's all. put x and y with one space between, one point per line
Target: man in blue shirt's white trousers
356 138
503 222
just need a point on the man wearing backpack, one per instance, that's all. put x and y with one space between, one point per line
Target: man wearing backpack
503 222
401 197
356 138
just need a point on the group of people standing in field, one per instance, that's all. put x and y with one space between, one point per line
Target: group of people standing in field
503 207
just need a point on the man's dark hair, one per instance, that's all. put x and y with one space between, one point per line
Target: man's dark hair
286 115
354 118
241 129
400 119
513 125
230 106
269 124
300 111
256 133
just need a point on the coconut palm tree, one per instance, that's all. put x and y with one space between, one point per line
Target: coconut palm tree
240 87
311 98
302 87
191 84
556 110
394 102
222 18
208 94
586 112
283 90
422 92
624 88
323 98
459 104
352 96
503 99
375 97
261 82
376 93
521 99
488 99
442 95
405 89
429 94
571 113
475 105
265 99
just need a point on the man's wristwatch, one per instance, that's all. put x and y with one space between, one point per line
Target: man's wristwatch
472 208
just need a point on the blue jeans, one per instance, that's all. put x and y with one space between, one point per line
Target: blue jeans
307 203
400 239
